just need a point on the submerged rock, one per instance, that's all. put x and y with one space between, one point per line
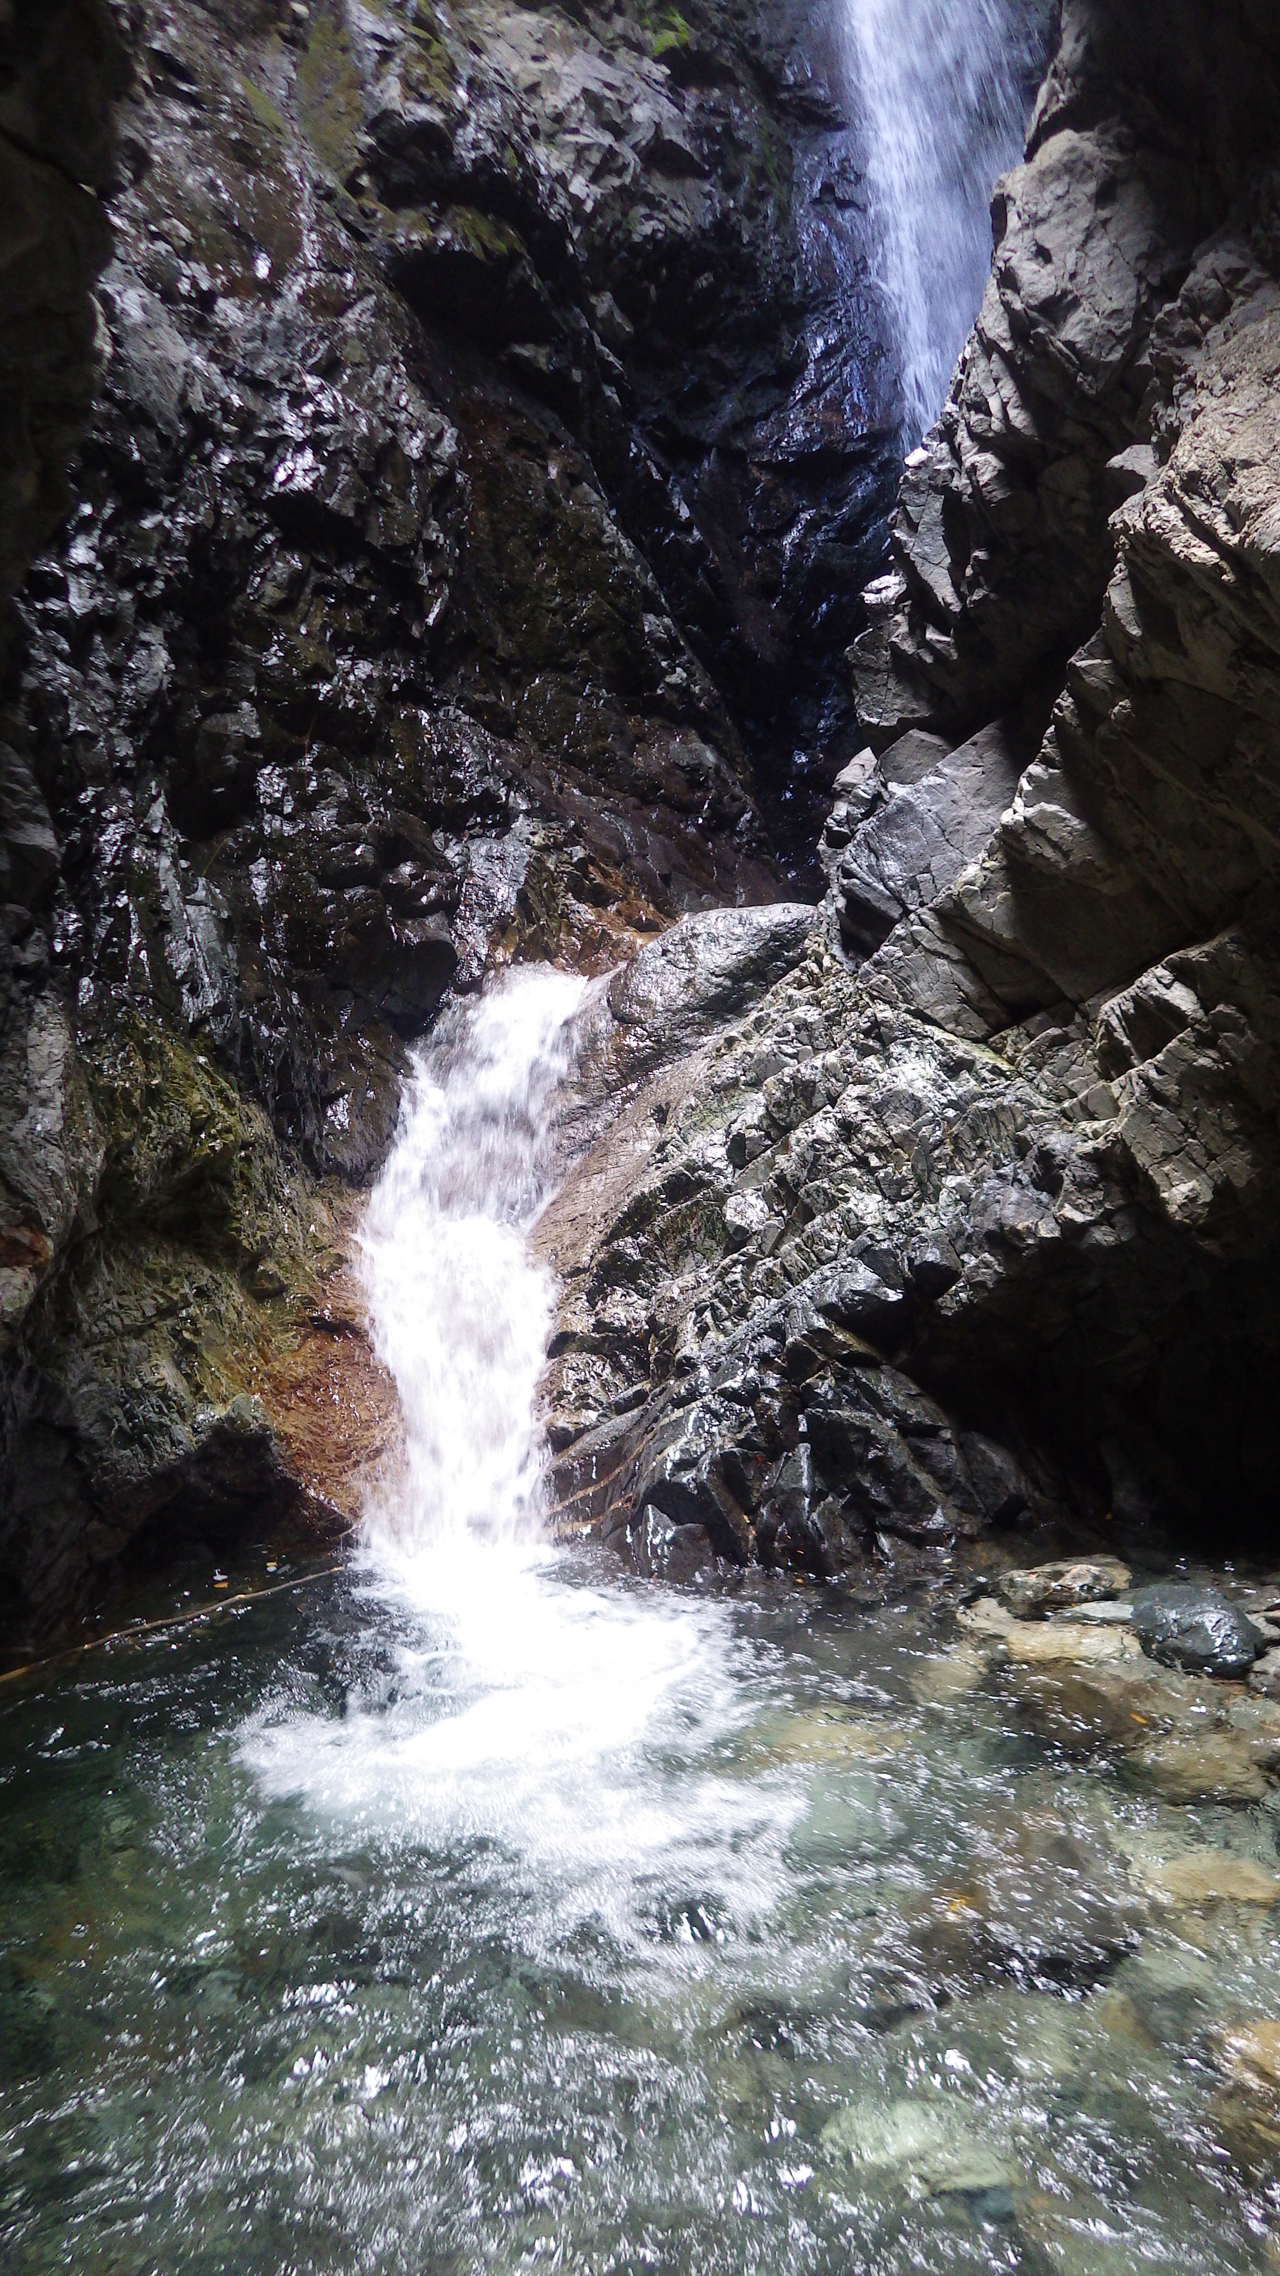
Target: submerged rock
1206 1877
923 2142
1214 1766
1196 1629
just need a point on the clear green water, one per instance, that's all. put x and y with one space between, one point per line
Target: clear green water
529 1918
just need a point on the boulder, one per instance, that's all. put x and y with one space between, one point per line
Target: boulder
925 2144
1056 1587
1196 1629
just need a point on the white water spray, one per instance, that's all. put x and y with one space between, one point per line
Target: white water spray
461 1312
941 89
568 1725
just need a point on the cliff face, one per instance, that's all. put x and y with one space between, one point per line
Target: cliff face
491 438
976 1212
476 476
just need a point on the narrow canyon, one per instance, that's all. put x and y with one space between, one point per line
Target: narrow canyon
640 1136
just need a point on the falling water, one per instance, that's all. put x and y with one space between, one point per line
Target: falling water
461 1312
943 89
480 1908
531 1708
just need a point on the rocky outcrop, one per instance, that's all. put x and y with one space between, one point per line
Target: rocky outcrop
1152 133
476 475
487 457
974 1215
57 158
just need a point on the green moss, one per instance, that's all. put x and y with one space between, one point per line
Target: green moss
482 235
672 33
264 110
430 68
330 96
663 29
185 1154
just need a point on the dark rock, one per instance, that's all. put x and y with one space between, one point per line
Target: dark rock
799 1527
932 1267
662 1550
1196 1629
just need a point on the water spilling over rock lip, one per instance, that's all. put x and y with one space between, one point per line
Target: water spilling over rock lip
460 1310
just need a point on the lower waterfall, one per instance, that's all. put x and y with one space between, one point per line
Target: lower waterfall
526 1692
480 1907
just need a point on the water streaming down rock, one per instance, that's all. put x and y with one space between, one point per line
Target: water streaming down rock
942 89
564 1724
461 1311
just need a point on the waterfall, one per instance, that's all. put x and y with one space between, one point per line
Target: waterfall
461 1313
942 89
519 1699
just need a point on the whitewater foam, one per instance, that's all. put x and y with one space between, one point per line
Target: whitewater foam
578 1727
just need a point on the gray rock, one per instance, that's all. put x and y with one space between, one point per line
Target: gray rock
1068 1581
919 839
921 2141
1264 1675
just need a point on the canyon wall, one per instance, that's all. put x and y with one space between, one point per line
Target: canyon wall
458 452
446 450
973 1216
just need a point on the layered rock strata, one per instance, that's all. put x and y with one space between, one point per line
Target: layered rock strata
975 1213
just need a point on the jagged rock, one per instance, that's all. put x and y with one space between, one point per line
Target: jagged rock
663 1550
57 157
1109 452
925 832
1059 1586
1196 1629
373 649
414 517
1001 541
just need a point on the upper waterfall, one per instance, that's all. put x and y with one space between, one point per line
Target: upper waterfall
942 89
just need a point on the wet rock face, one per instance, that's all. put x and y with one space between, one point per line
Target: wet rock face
470 417
57 157
1149 135
347 662
979 1206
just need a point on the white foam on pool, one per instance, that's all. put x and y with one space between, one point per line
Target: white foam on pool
582 1729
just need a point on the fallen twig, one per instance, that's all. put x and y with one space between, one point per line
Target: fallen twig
173 1620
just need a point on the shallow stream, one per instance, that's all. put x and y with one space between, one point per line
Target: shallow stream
541 1917
477 1907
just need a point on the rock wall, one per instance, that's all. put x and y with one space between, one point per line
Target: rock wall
489 445
974 1214
475 476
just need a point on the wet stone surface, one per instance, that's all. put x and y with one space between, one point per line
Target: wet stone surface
1196 1629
